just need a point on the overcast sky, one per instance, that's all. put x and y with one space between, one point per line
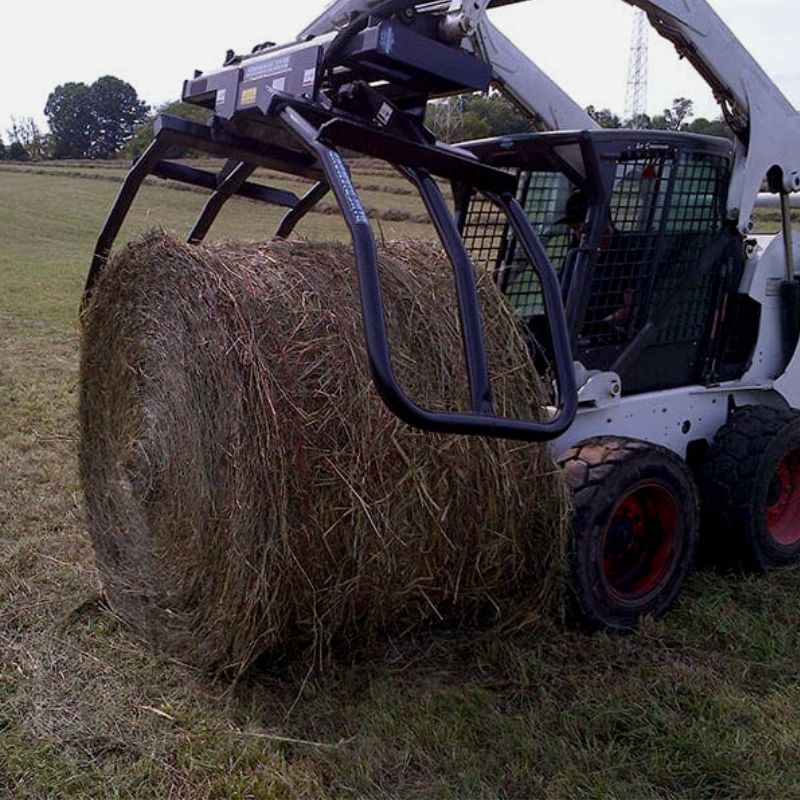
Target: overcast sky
156 44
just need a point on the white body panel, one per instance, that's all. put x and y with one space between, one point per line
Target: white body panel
762 279
674 418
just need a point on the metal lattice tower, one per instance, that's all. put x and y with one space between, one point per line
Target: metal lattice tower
636 97
447 117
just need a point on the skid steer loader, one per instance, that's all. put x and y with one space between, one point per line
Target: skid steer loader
667 332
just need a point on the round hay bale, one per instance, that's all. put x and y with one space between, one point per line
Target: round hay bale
247 491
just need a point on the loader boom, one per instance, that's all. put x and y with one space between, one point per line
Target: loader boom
766 124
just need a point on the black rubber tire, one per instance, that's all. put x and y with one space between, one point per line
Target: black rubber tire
735 480
602 473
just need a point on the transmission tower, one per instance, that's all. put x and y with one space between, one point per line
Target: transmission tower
447 117
636 97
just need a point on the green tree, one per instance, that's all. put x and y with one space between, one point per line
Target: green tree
675 118
481 116
144 133
713 127
604 117
27 141
3 153
93 121
117 110
474 125
492 115
35 142
16 152
71 119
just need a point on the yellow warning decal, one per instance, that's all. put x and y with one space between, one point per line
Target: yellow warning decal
248 96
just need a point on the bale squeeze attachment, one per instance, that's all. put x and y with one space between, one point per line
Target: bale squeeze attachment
290 111
247 493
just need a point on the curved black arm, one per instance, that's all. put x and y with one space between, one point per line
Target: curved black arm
372 307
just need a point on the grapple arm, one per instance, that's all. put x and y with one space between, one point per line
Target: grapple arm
294 110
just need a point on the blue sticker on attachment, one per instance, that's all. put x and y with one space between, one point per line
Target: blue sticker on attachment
350 194
387 39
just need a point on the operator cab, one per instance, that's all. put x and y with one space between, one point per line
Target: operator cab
635 225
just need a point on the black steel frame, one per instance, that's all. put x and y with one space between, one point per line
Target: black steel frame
602 152
313 152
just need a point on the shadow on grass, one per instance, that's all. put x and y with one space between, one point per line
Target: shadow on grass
702 704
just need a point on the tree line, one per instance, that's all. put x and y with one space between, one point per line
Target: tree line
92 121
106 119
679 117
471 117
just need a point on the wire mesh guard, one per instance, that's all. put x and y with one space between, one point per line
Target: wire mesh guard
493 248
491 245
665 209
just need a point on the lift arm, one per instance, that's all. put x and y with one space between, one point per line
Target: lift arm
766 124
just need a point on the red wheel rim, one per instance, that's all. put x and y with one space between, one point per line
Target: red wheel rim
641 542
783 501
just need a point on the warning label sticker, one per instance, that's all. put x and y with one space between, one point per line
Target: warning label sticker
249 96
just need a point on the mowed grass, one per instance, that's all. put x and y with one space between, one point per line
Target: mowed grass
50 223
704 704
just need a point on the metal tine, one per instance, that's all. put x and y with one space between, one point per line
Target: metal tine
487 423
232 176
304 205
127 193
466 288
551 293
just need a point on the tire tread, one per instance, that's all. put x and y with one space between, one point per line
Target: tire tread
589 467
726 485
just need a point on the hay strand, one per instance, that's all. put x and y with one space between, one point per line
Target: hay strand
248 493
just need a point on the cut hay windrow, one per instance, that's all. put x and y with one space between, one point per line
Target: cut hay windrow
247 491
327 209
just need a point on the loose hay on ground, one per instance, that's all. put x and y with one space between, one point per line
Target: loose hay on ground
248 493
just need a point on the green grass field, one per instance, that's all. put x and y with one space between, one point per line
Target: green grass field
704 704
